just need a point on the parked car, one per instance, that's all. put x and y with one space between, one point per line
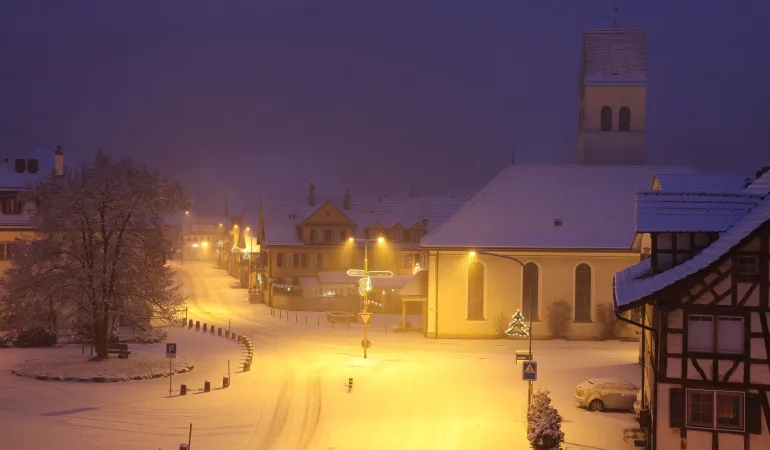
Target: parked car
598 394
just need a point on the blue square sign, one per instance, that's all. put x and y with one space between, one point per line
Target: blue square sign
529 371
170 350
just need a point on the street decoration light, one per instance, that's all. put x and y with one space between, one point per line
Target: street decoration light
518 317
365 285
517 328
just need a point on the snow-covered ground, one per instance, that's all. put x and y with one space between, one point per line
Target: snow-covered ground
411 393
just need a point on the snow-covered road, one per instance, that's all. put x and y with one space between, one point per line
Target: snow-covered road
411 393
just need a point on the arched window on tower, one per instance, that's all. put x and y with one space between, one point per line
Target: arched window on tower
624 119
606 118
475 291
530 291
583 293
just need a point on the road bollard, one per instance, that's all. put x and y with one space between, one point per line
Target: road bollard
197 325
205 328
212 330
227 334
305 319
207 386
225 382
280 313
191 323
295 317
318 321
350 384
183 389
287 316
247 365
219 331
183 446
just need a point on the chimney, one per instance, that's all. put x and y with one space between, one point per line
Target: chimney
58 161
346 203
425 223
311 195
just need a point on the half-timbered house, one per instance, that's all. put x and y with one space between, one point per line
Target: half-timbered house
704 295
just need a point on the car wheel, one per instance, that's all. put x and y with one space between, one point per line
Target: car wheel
596 405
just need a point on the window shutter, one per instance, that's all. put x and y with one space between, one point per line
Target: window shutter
753 413
676 408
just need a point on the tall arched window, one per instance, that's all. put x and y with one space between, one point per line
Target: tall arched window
606 118
475 291
530 291
624 119
583 293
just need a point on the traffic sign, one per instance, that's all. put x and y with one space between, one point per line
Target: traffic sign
529 371
523 355
356 272
170 350
380 273
365 317
366 343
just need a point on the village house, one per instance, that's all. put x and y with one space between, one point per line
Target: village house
704 294
307 244
17 175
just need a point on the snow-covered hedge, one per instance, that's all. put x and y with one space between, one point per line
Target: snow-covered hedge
150 336
6 339
544 423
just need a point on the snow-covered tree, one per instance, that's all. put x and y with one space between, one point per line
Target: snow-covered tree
544 423
97 253
517 327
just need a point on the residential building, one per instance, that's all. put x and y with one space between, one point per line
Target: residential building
306 248
704 294
16 176
571 228
612 94
200 237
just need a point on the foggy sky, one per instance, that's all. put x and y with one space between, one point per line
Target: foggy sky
262 97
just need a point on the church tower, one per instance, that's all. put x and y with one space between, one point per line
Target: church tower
612 97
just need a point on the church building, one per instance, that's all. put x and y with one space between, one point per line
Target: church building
548 239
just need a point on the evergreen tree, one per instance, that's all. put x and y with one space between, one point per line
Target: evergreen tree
517 327
544 423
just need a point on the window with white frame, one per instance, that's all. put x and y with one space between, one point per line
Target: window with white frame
715 409
703 337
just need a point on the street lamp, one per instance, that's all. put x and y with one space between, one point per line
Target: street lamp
248 273
472 255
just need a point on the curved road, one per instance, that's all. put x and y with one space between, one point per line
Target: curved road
412 393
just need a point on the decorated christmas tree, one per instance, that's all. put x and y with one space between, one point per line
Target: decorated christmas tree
517 327
544 423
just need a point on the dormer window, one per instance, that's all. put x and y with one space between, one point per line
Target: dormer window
313 236
32 166
20 165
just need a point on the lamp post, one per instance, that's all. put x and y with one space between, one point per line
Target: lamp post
531 288
184 241
248 271
366 285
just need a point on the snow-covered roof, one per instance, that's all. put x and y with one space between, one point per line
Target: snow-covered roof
615 56
520 207
760 186
283 214
660 211
11 179
636 283
700 183
417 287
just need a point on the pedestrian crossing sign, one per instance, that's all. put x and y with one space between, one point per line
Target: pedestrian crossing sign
529 371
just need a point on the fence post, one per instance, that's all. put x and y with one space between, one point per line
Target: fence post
295 317
318 321
305 319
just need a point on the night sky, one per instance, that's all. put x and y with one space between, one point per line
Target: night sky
262 97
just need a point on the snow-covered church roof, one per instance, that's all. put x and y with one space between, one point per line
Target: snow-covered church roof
550 206
637 283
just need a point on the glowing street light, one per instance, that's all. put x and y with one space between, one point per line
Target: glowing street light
204 244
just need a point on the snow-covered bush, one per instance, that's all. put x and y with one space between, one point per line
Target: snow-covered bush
6 339
544 423
500 324
35 337
559 315
609 324
148 336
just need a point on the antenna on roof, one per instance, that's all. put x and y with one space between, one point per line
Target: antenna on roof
615 17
